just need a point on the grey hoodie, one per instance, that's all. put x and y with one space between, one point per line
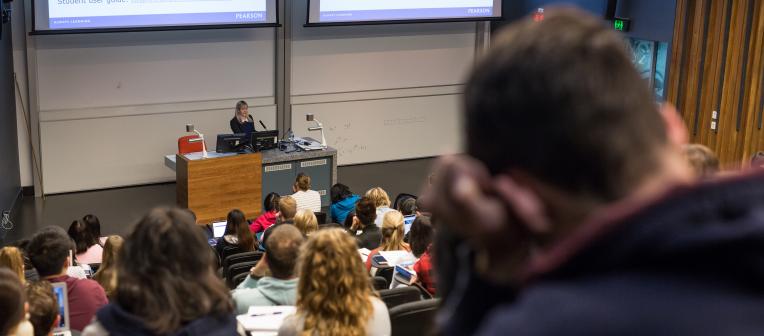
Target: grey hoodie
267 291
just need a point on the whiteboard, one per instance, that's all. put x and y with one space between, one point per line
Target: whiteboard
385 129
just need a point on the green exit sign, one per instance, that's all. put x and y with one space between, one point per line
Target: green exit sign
621 24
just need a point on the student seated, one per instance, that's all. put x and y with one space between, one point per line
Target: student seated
93 224
236 234
12 259
306 221
166 284
287 211
381 203
306 198
273 281
343 202
88 248
392 236
12 321
326 305
49 252
106 275
43 307
270 213
422 235
366 233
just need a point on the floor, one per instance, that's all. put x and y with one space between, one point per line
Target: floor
118 209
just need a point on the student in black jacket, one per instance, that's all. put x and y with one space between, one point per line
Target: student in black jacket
366 232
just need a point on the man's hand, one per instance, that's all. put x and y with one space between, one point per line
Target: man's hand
261 269
495 215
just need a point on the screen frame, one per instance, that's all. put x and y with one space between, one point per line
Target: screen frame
406 21
36 32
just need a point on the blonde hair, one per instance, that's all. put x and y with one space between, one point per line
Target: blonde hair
341 306
379 196
392 232
11 258
302 182
306 221
702 160
287 207
106 275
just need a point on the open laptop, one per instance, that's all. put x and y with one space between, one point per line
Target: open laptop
218 229
407 221
63 327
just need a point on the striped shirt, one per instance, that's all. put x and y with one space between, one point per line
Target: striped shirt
310 200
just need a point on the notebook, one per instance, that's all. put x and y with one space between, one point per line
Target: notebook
264 320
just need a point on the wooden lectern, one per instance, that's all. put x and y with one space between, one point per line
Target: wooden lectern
212 187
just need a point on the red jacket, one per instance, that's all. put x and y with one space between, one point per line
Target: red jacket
263 222
423 269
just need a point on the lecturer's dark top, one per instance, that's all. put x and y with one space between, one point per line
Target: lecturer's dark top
238 127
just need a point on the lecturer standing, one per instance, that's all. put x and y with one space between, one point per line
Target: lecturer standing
242 122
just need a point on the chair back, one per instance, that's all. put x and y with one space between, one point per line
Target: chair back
236 269
229 250
189 144
414 318
398 296
380 283
321 217
241 257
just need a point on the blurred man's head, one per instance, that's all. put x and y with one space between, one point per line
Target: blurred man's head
282 250
561 102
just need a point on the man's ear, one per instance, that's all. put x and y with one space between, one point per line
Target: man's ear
676 131
525 204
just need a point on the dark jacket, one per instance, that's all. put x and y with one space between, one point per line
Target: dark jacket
691 263
237 127
369 237
116 322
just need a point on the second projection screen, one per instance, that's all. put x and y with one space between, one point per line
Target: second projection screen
366 11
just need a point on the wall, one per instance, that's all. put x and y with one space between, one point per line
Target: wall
718 65
384 92
9 166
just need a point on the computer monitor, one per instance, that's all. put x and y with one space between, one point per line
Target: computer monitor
231 143
264 140
59 290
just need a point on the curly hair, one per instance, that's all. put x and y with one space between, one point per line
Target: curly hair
339 307
12 258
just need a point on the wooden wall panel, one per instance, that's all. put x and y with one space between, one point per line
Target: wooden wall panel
717 64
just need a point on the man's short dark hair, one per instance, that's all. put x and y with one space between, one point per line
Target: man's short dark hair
49 249
282 250
561 100
366 211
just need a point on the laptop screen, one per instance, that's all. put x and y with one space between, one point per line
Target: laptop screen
407 221
59 290
218 229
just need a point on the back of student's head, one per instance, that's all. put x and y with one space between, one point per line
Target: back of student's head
271 202
757 160
236 225
12 259
302 182
408 206
420 235
93 224
43 307
282 251
11 301
106 275
562 101
339 192
365 211
392 231
287 207
82 237
161 281
702 160
331 305
49 249
306 221
379 196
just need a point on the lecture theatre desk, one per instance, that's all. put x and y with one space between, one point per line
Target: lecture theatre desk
214 186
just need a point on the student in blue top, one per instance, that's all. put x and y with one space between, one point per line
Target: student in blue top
343 202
